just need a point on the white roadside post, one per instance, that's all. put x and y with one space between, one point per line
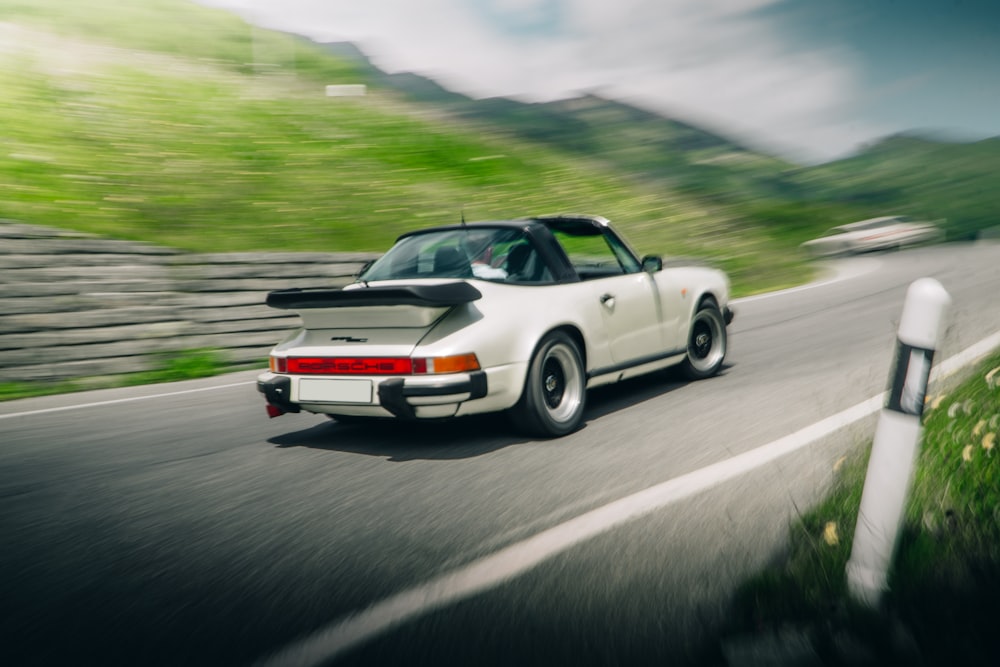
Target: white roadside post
896 444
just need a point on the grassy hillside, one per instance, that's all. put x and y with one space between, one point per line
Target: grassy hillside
924 177
789 203
180 125
632 140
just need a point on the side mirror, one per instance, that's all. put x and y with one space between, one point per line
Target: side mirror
652 263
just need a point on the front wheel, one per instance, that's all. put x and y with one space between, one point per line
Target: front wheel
706 346
555 389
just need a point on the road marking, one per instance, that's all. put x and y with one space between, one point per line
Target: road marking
491 571
970 354
130 399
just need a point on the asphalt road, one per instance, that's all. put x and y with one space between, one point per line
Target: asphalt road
177 525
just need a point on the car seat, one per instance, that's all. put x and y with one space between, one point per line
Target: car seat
518 263
450 262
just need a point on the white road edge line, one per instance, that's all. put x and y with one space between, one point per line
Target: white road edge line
130 399
491 571
841 274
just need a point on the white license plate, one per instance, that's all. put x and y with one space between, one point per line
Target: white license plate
325 390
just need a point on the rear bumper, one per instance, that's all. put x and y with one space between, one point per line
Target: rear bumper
403 400
401 397
277 390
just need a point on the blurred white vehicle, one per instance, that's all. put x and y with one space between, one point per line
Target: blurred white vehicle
885 233
521 316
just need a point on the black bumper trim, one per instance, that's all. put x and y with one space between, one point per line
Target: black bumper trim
632 363
392 393
278 392
728 314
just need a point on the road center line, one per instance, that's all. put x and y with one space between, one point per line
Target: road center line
130 399
491 571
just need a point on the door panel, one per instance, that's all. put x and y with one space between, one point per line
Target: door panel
673 305
631 314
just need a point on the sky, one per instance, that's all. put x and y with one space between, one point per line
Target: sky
810 80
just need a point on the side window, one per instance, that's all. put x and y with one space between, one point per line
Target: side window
595 255
625 257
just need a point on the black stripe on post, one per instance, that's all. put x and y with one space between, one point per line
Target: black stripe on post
908 381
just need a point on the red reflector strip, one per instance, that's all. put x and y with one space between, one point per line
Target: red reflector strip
350 365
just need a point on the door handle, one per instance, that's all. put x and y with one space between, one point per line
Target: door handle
608 300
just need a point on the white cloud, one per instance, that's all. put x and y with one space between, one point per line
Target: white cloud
713 62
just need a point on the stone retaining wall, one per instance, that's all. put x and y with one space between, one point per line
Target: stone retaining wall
73 305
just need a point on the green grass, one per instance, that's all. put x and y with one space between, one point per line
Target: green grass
945 581
167 367
10 391
184 365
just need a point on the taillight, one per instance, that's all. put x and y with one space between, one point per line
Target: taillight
350 365
459 363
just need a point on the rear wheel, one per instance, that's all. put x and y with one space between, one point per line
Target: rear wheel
554 394
707 342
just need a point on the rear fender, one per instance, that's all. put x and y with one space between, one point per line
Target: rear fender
505 328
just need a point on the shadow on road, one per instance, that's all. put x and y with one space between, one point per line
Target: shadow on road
465 437
399 441
609 399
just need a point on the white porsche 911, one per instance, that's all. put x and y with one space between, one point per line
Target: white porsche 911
520 316
889 232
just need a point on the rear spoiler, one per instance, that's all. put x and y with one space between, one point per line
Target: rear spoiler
428 296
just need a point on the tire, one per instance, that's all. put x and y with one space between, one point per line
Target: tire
707 342
555 390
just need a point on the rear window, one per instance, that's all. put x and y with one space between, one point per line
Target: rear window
495 254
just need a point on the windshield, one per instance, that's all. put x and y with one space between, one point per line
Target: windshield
496 254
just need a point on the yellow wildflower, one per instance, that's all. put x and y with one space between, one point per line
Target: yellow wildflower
988 441
978 428
937 401
839 464
990 375
830 533
967 453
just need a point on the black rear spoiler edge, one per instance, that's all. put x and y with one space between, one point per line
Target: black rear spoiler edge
428 296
